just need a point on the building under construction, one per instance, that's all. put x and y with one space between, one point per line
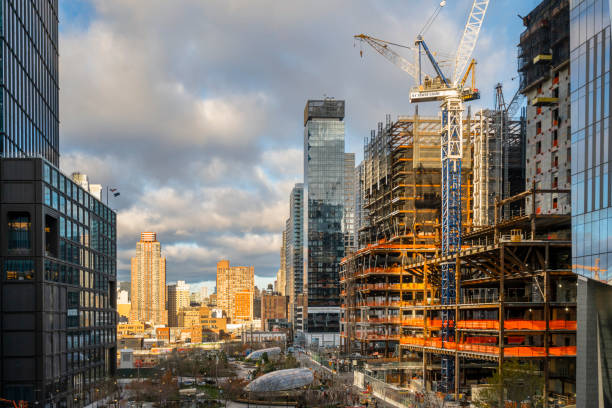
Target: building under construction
515 291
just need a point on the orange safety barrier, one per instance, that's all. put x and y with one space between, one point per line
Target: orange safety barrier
517 324
481 340
415 341
524 352
562 324
478 348
413 321
478 324
433 342
434 323
562 351
567 351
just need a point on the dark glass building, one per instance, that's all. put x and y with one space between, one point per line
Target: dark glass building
591 151
29 121
58 287
323 215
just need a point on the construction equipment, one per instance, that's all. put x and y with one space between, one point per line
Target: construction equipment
451 93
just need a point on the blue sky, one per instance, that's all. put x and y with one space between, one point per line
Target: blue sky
194 109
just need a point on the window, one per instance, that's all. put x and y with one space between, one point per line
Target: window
555 138
569 154
47 173
19 226
51 236
555 182
19 269
555 203
538 128
538 167
538 147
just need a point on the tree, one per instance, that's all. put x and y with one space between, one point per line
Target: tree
520 381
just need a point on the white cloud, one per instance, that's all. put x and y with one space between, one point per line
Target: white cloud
194 110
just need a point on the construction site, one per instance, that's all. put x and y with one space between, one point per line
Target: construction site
463 265
515 290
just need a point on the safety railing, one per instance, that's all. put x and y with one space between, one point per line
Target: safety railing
524 351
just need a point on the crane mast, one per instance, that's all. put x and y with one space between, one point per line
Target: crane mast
451 94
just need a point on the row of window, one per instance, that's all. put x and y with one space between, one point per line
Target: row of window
89 318
66 186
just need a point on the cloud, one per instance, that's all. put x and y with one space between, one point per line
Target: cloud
194 110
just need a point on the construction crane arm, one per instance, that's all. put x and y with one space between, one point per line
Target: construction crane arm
515 104
469 38
382 47
433 61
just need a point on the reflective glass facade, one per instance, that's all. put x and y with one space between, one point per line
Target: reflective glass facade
591 151
324 204
58 285
591 147
29 121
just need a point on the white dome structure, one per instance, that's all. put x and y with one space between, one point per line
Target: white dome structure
281 380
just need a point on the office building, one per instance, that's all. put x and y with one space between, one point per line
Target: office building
348 217
149 281
230 281
282 281
59 287
323 205
589 23
29 88
545 78
178 297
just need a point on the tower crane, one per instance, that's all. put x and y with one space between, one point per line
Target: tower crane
451 92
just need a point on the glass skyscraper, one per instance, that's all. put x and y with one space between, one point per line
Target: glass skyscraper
29 121
591 152
324 210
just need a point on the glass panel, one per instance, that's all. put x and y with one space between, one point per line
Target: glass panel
19 226
19 269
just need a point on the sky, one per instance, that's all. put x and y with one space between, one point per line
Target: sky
193 109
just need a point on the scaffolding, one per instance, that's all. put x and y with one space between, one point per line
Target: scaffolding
515 293
498 141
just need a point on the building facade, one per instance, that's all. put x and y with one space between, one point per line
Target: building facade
324 197
58 286
273 306
149 281
29 88
591 201
545 81
178 297
230 281
348 218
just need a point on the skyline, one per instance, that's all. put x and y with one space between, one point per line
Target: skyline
224 114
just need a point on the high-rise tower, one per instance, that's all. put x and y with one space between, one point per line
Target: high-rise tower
178 297
29 89
323 213
149 281
235 290
294 258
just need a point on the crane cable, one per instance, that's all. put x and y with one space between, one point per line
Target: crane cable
432 18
